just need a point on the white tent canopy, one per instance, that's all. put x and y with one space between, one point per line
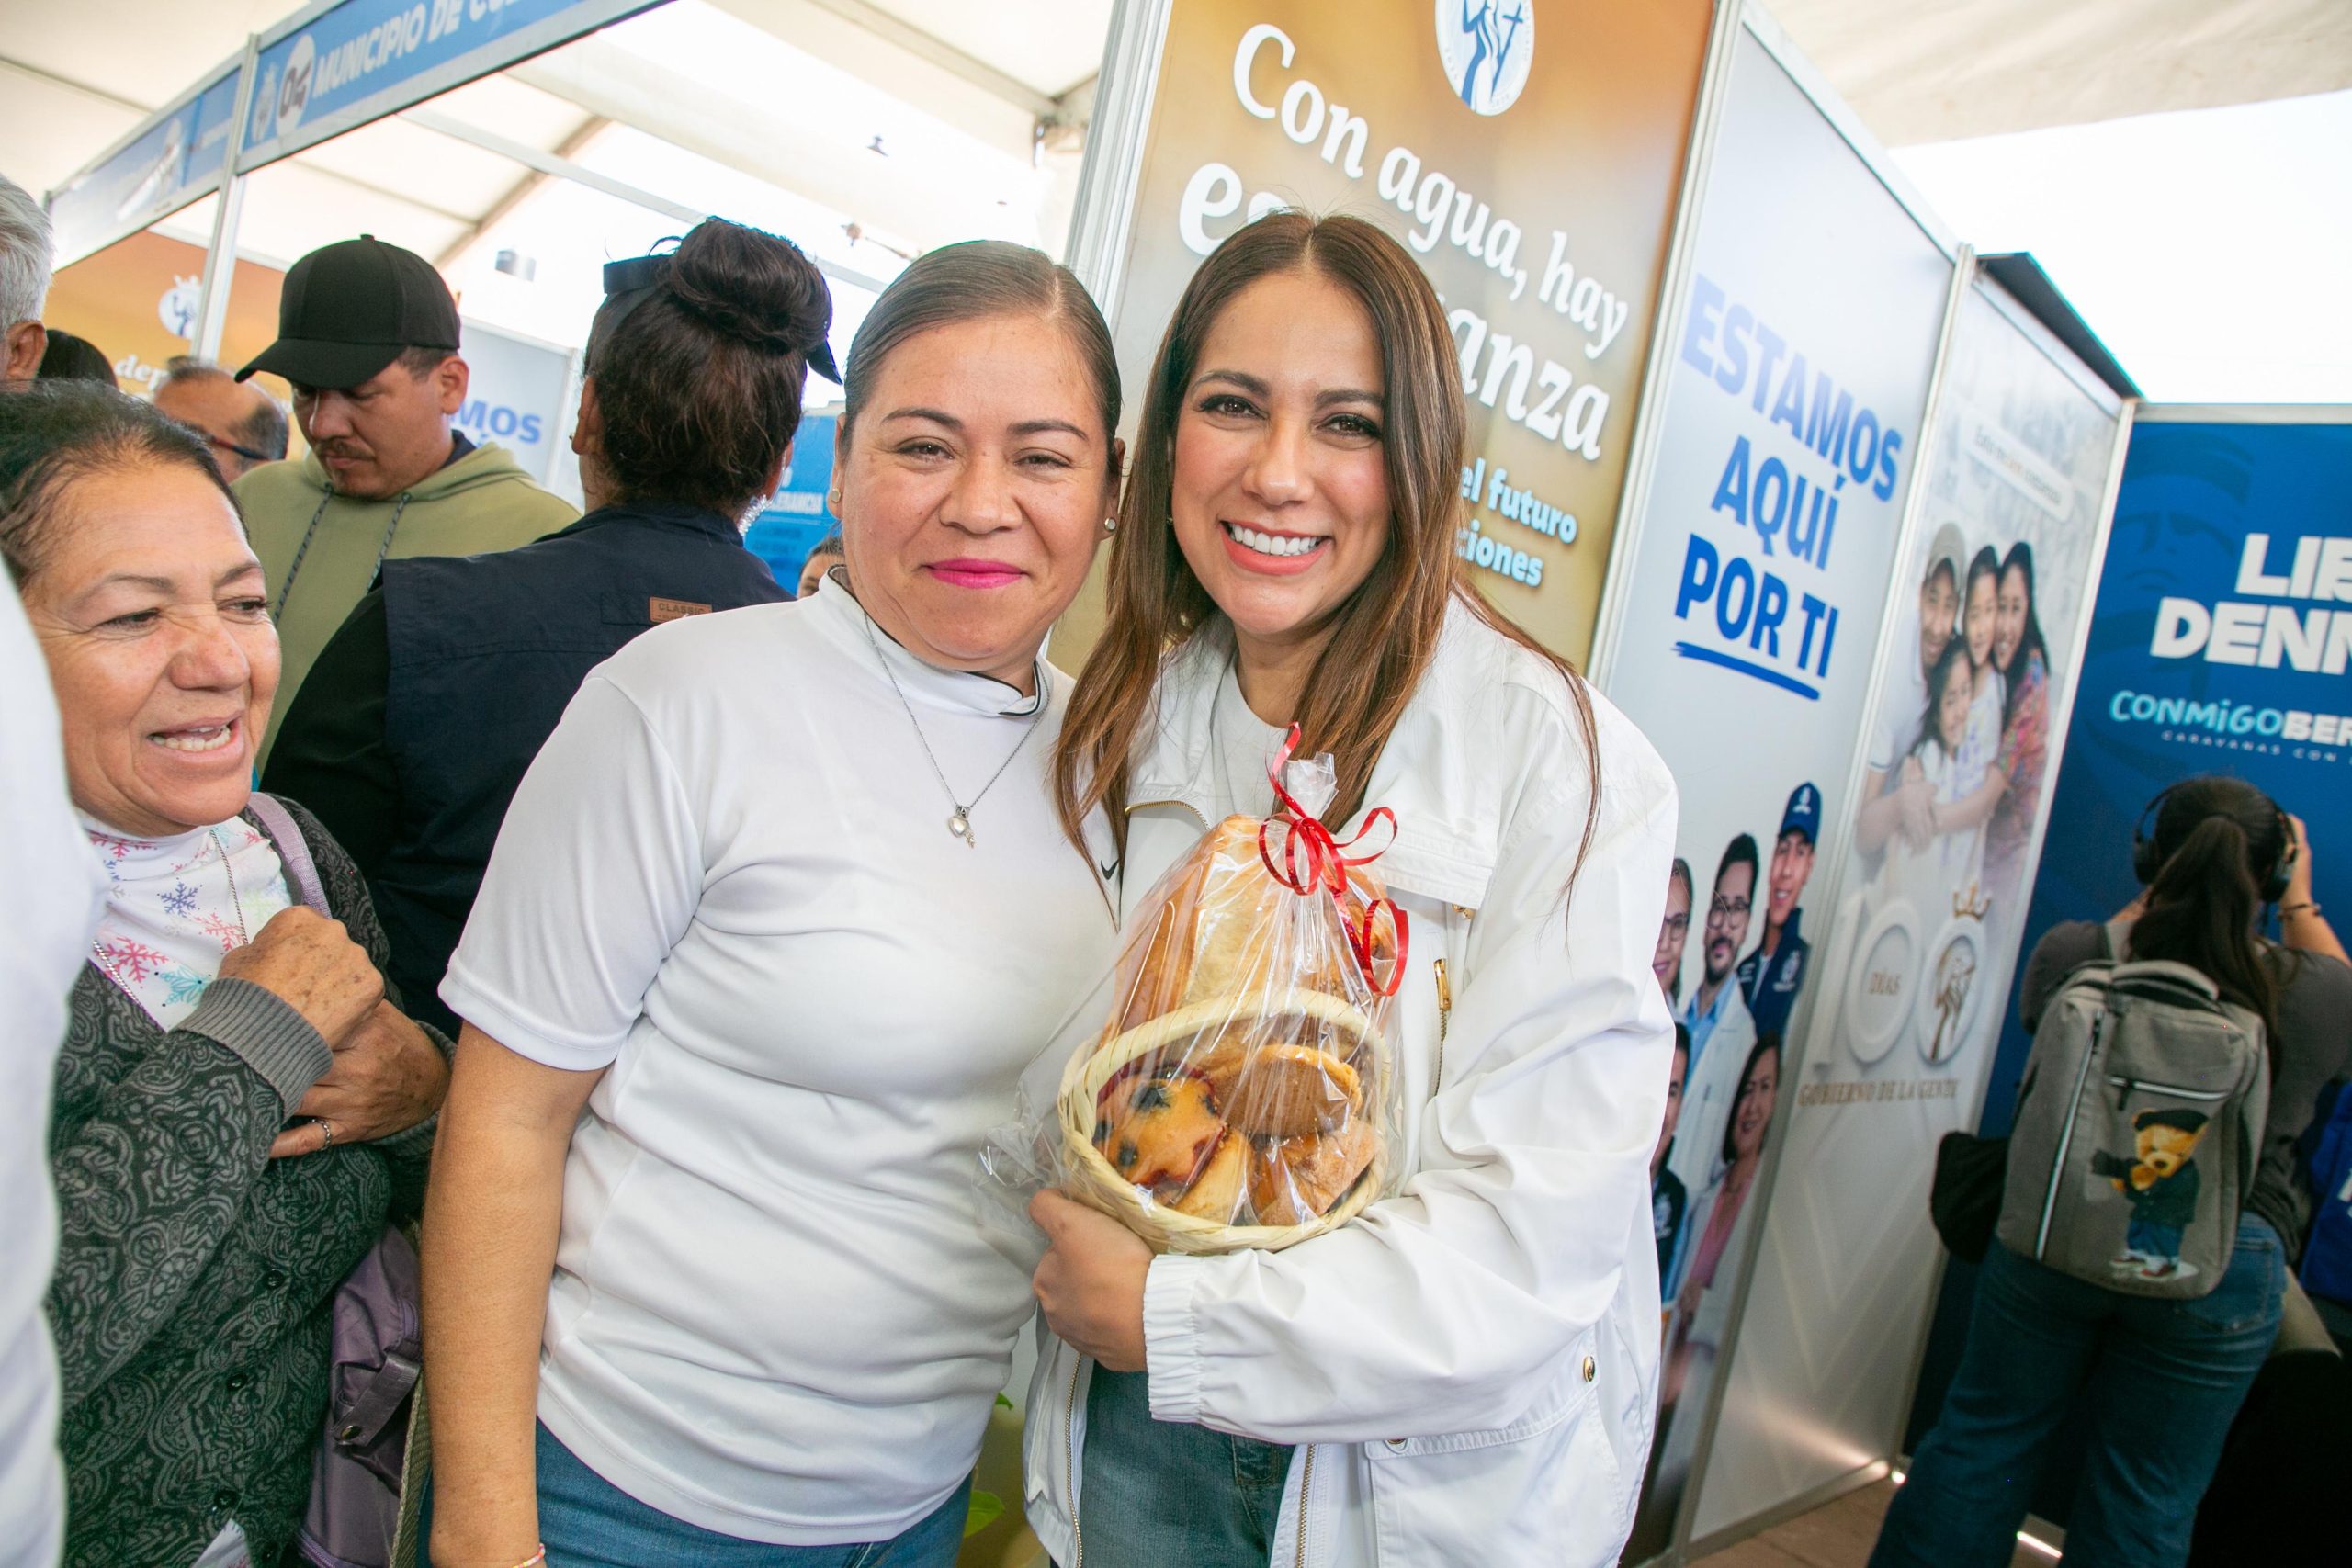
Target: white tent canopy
871 129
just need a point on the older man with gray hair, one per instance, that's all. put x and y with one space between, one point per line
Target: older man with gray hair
26 255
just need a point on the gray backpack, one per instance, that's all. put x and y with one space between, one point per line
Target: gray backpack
2138 1130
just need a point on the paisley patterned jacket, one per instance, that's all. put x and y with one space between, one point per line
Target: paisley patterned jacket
194 1272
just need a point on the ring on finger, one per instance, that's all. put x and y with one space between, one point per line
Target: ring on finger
327 1132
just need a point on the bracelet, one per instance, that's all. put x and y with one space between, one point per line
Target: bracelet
2298 908
537 1560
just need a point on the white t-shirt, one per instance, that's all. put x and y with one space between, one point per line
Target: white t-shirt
1902 703
728 876
55 892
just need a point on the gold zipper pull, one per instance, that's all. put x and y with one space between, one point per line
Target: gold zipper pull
1444 1019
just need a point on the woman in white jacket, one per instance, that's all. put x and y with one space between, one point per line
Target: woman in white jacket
1466 1373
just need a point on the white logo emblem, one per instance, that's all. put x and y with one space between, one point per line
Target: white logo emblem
294 92
1486 46
176 308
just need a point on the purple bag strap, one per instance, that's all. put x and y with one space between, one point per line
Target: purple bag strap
303 872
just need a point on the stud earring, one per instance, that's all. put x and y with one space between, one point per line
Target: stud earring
1109 525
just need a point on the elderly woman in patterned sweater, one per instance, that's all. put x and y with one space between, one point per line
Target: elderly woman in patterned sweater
239 1107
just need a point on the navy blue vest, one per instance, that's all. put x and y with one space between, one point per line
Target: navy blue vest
486 651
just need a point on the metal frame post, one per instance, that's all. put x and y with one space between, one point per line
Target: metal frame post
221 254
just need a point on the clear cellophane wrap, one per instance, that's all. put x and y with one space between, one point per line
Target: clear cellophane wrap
1242 1091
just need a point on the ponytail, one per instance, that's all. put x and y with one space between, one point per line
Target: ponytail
2200 912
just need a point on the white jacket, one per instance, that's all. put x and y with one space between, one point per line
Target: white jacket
1469 1371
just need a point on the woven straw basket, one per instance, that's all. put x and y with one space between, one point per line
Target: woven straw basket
1091 1178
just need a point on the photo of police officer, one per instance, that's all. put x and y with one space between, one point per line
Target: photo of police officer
1770 977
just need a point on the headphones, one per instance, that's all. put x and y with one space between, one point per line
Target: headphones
2146 861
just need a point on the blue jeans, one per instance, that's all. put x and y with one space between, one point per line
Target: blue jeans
2161 1381
1159 1493
588 1522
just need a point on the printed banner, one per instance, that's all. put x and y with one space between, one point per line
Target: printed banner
1960 757
136 299
174 160
796 519
1529 154
518 395
2220 645
365 59
1791 423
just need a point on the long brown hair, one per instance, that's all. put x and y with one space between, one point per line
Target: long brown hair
2218 840
1383 636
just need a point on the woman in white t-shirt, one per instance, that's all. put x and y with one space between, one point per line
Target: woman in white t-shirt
779 916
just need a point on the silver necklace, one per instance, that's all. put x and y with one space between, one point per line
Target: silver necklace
959 821
236 904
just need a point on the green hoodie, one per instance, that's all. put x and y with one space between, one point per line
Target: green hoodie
481 502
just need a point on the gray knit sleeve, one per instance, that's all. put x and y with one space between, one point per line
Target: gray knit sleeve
274 1040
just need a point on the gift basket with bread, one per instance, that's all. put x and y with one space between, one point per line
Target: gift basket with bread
1240 1093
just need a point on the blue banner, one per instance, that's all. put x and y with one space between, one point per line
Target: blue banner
365 59
176 159
794 520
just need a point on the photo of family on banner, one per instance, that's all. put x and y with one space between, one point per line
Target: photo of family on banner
1959 755
1958 759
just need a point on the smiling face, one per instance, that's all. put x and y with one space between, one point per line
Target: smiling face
150 613
1984 601
389 432
1939 602
972 490
1951 709
1792 864
1280 493
1752 1114
2008 617
1666 961
1727 915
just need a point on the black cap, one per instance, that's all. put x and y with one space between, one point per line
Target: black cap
348 310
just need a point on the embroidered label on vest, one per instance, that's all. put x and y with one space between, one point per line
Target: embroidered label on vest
661 610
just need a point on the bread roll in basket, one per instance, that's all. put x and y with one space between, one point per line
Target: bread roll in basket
1239 1096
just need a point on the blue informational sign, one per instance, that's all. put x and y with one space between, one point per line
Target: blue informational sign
365 59
178 158
796 519
2220 643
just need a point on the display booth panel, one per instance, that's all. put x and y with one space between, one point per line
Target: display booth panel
1975 687
1529 156
137 301
1751 599
2218 644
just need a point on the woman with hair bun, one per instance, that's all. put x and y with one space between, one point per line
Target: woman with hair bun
779 916
414 727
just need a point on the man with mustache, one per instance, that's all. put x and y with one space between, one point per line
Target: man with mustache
1722 1032
368 337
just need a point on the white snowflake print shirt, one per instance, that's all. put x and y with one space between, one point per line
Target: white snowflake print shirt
176 906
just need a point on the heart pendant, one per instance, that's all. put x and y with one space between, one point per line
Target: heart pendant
961 826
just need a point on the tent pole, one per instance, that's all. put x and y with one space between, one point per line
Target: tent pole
221 255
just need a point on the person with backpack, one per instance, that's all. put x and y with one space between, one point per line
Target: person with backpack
2154 1301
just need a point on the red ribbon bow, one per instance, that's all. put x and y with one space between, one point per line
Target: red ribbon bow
1312 858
